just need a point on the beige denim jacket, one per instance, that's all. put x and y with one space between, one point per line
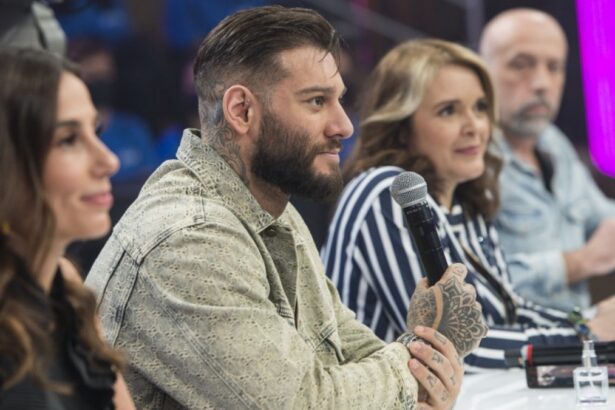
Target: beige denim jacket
216 304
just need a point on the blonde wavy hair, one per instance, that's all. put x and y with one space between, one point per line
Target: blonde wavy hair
394 91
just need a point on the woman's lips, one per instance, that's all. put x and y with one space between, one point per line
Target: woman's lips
473 150
103 199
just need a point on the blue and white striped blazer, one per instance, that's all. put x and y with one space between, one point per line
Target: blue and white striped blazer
371 258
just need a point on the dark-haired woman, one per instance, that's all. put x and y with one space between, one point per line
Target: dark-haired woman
429 108
55 189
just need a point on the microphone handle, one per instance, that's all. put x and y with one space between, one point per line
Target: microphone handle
421 221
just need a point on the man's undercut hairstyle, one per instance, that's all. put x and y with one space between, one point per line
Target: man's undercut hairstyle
244 48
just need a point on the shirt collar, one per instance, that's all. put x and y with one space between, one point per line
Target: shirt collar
504 150
220 181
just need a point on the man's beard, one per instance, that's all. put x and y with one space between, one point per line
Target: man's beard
284 158
524 124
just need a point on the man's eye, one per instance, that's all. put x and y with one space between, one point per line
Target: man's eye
555 67
317 101
519 64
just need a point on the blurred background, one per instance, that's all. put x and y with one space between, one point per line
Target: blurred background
136 57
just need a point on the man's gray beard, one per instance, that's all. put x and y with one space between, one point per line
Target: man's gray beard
525 125
524 128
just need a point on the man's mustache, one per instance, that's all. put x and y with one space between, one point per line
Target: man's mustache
333 145
536 102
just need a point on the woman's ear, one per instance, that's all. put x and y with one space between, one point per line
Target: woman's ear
238 104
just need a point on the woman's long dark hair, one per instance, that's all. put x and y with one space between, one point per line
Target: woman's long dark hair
393 93
29 82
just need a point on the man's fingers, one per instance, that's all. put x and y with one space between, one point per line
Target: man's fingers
438 394
458 270
455 270
436 339
421 284
440 343
437 362
467 288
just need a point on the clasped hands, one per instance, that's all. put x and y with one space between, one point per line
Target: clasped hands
448 324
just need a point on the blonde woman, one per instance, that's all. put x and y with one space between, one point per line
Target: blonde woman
429 108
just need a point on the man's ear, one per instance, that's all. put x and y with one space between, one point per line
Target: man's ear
239 105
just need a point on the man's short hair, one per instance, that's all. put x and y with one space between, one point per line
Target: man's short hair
244 48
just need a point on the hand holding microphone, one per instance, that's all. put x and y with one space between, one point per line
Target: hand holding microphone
445 303
451 308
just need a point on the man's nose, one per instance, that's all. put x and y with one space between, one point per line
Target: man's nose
340 125
542 79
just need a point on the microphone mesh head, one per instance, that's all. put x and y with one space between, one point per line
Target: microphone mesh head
408 188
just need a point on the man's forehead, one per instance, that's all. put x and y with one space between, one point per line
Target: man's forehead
534 50
532 39
299 56
310 65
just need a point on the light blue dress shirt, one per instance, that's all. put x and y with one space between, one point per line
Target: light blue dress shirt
536 226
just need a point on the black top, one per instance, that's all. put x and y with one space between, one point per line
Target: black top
71 363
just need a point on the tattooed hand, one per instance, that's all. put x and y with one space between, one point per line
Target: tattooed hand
437 368
450 307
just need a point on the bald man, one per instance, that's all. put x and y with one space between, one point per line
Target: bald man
555 225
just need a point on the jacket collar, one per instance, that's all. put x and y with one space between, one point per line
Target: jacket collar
220 181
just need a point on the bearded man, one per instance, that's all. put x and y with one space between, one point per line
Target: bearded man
555 225
211 282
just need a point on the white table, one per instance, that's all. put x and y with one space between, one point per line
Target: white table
507 390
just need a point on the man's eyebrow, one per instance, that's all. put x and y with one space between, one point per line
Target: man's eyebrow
524 55
319 89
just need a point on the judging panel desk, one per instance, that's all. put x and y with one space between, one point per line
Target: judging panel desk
507 390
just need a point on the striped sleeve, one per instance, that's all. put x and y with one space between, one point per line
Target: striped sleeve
370 257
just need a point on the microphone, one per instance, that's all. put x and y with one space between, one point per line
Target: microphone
553 366
531 355
409 190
